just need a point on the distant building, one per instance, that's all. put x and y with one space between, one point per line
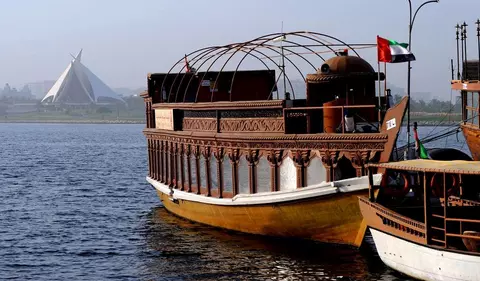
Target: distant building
40 89
14 94
79 86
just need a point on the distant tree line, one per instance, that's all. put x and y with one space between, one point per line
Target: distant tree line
434 105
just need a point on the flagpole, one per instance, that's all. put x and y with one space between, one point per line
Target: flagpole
385 81
379 93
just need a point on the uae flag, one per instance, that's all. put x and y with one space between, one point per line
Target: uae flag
421 150
392 51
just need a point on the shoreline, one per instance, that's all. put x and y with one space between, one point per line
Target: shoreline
75 121
53 121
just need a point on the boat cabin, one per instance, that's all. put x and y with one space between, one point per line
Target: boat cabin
434 203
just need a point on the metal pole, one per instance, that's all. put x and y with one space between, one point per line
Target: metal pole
453 71
465 42
283 67
379 93
407 153
478 41
461 39
457 27
410 26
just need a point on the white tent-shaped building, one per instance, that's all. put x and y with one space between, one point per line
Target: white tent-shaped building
79 86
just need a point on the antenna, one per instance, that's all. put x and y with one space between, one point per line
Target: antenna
465 42
478 42
457 27
283 66
453 70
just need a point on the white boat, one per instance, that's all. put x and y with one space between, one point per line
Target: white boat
422 236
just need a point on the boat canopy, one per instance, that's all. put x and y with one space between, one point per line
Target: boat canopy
435 166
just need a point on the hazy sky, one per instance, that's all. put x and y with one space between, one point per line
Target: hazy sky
124 40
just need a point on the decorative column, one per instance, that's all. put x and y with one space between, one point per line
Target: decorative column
167 162
328 159
196 155
252 158
274 158
188 153
173 168
301 159
162 162
175 165
358 160
206 155
234 156
153 153
182 165
218 154
158 161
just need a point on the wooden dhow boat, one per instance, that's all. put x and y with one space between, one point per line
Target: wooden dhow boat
224 152
414 230
468 83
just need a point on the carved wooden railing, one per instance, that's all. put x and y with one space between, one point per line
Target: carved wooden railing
253 117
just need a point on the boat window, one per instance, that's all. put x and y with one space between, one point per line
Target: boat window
263 175
203 172
288 175
316 172
475 108
469 107
213 174
227 174
469 99
243 176
193 168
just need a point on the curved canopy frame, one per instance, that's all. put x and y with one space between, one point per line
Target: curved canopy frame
264 49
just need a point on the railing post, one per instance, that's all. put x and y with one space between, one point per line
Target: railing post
188 153
445 204
427 210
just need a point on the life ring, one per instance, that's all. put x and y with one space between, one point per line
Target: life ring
436 184
398 190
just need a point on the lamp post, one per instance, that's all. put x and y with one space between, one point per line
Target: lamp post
410 26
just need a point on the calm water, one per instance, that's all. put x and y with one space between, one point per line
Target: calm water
75 206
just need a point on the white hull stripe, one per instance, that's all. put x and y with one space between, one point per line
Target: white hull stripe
322 189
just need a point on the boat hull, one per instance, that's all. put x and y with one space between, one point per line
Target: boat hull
333 218
423 262
472 135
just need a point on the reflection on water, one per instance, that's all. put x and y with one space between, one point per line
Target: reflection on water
179 249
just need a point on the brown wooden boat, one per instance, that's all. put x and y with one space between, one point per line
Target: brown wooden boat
470 126
223 152
414 230
468 83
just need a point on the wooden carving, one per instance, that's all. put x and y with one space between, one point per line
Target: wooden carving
252 125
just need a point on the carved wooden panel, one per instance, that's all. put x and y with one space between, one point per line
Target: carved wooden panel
252 125
199 124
